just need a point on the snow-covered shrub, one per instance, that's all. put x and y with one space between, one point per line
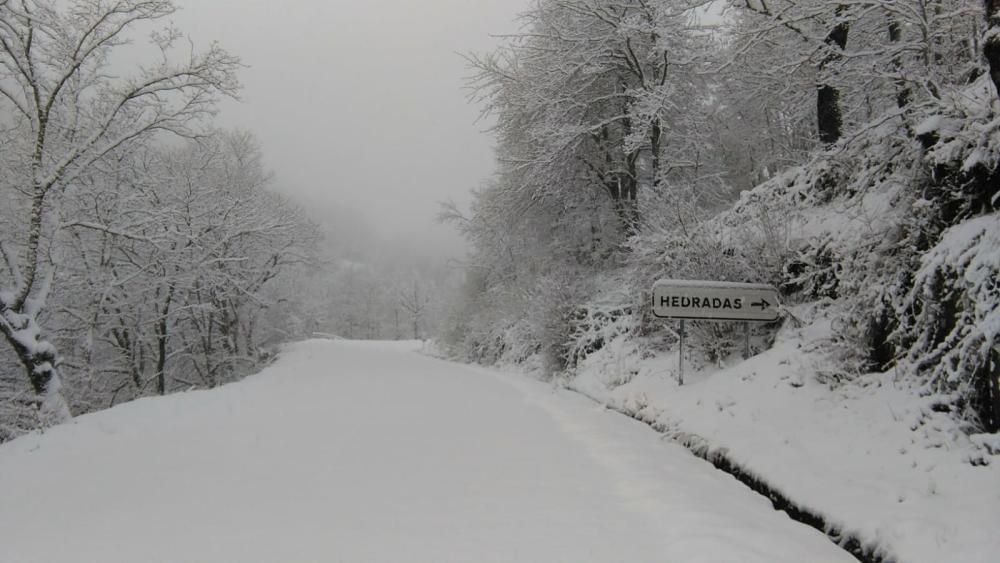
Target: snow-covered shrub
494 323
484 325
892 227
612 312
950 319
549 309
457 326
749 242
866 209
474 331
962 135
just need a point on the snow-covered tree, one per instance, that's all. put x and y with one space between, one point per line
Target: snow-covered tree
414 301
862 133
991 42
67 113
169 267
856 59
602 110
596 96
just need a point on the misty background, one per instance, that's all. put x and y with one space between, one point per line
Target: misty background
173 261
360 107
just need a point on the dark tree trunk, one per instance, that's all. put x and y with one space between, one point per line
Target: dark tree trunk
986 382
161 344
620 184
39 360
829 118
626 201
991 49
654 148
623 194
903 94
40 365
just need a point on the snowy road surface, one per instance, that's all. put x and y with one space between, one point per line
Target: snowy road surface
353 452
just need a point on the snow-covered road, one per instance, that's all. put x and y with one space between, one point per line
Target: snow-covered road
369 452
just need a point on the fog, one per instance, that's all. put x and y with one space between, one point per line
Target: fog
360 107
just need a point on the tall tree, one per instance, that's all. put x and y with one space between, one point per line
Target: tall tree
71 111
169 262
829 116
594 95
991 45
862 56
823 28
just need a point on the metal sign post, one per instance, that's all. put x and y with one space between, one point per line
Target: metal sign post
680 358
714 301
746 340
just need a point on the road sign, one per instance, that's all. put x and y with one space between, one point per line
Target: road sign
715 301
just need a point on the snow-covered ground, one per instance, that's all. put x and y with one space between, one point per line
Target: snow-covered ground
871 457
354 452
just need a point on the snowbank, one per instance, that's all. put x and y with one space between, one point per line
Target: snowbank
873 458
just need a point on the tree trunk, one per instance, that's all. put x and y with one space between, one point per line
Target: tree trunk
161 344
623 196
986 382
829 118
39 359
903 94
991 47
655 134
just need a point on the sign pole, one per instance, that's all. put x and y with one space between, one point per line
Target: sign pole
746 340
714 301
680 358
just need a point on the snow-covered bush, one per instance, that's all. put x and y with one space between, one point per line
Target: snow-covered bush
962 134
613 311
489 323
749 242
950 318
555 304
889 227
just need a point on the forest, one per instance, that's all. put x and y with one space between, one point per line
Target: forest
145 249
845 152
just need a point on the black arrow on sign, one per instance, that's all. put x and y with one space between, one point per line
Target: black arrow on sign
763 304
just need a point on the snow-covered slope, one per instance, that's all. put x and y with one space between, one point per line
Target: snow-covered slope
872 458
354 452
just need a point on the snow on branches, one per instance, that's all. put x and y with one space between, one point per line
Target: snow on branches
950 319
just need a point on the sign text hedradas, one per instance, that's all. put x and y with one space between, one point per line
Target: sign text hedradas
709 300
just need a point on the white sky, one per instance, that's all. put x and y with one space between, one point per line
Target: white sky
361 103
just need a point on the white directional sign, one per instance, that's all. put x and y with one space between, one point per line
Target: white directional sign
718 301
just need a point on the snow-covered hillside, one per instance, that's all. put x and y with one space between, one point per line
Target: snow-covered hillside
879 464
345 451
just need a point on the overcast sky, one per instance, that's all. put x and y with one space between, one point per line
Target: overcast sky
361 103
